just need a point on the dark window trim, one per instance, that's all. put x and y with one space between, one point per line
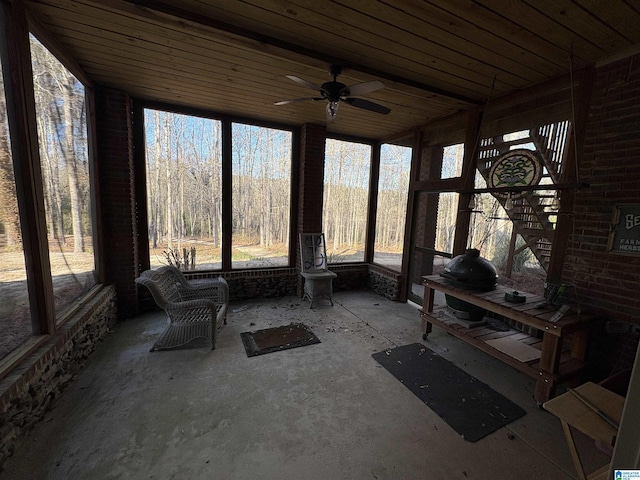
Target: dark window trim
227 122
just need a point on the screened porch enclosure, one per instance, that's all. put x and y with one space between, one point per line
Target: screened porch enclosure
462 197
184 168
184 171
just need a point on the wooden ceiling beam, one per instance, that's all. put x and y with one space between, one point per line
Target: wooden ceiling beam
146 7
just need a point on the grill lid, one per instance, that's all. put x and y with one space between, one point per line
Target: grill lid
470 271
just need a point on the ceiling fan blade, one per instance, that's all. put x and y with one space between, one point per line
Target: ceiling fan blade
293 100
362 88
305 83
367 105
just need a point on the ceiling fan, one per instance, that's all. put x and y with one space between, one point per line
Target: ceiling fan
335 92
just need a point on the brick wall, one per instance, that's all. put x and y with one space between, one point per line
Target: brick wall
116 190
28 391
311 185
608 283
351 276
312 145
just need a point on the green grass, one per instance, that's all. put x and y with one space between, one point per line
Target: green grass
238 255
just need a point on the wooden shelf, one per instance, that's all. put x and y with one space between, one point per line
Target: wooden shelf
478 337
563 346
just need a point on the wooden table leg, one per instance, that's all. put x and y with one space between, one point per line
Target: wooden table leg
550 354
426 327
427 306
549 361
545 389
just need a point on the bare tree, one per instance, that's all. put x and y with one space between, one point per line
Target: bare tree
62 131
184 173
9 216
393 186
346 194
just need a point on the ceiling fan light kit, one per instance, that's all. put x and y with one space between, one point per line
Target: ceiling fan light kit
332 111
334 92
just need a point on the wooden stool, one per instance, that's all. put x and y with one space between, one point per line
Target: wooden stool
573 412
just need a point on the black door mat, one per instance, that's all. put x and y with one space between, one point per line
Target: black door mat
469 406
275 339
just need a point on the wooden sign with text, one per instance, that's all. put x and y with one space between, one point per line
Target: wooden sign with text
625 230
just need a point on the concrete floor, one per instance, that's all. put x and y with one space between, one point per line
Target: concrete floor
326 411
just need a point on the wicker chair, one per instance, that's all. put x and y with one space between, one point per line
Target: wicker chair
194 308
318 279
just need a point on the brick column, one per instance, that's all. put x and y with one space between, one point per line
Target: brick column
312 144
311 183
116 195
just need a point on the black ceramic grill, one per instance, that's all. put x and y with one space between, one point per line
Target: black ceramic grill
470 272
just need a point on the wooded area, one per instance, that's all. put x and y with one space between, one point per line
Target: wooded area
64 166
184 188
346 194
15 322
393 191
62 136
62 132
9 217
184 178
261 186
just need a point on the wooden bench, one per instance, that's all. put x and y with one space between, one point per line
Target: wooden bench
563 346
194 309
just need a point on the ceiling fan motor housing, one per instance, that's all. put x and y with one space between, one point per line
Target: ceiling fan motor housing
334 91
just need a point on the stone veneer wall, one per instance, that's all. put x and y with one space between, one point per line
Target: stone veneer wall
28 391
384 282
245 284
287 281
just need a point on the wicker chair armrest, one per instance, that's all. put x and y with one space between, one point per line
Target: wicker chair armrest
214 289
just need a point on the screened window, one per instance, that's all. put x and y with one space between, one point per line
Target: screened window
435 216
261 196
393 188
62 132
452 159
184 190
15 319
515 230
446 221
346 195
434 233
185 199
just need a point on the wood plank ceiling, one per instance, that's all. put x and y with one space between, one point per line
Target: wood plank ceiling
435 57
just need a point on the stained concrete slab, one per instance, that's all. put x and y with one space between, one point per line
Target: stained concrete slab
325 411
